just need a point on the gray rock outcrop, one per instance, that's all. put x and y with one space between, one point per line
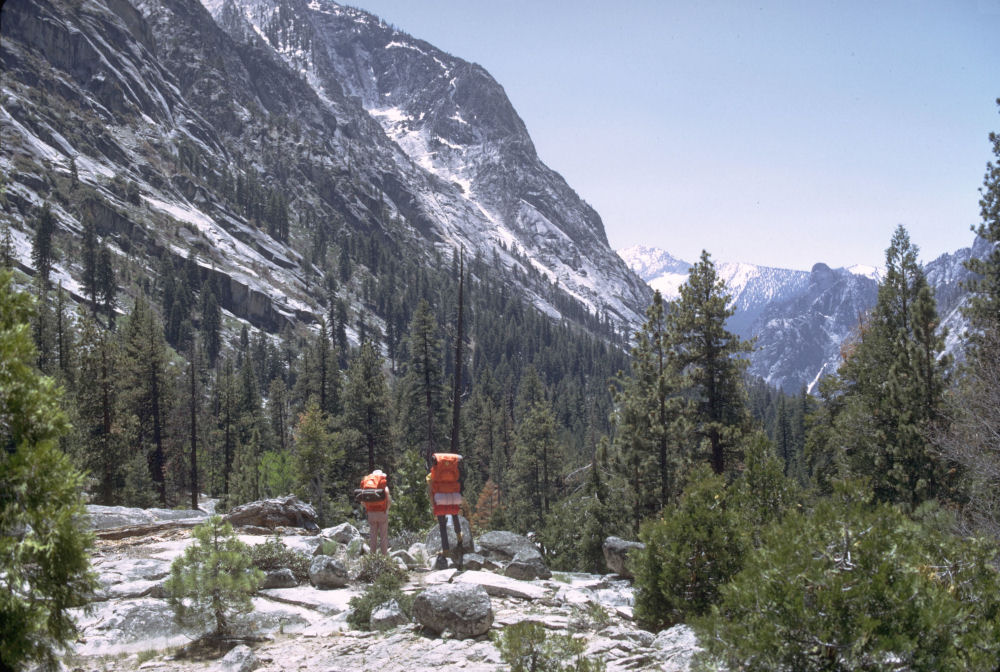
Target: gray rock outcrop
279 578
239 659
387 616
616 555
502 546
345 533
326 572
462 610
676 646
287 511
527 566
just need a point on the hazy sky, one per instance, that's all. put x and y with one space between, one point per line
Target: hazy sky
779 133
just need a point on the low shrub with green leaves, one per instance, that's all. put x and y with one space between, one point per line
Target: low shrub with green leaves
273 554
691 550
852 586
385 588
375 565
529 647
214 579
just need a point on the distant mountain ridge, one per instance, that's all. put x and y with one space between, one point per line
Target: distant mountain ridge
801 320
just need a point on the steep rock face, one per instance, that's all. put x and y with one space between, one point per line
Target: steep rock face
238 144
799 339
455 124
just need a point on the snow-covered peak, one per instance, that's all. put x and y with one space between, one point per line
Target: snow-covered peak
651 263
865 271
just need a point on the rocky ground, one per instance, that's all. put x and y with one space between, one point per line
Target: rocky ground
131 627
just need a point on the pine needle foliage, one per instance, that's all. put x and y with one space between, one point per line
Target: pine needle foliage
852 585
44 563
273 554
691 550
528 647
387 587
213 580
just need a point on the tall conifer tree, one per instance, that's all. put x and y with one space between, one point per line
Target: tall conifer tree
711 360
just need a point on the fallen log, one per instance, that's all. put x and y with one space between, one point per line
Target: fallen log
127 531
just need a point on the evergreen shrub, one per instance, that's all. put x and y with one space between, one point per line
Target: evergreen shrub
528 647
691 550
851 586
273 554
387 586
375 565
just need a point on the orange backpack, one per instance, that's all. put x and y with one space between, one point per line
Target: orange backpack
372 493
445 474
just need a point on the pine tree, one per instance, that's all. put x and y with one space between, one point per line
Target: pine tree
983 309
648 414
107 283
43 253
6 246
100 429
894 382
146 386
44 559
318 456
973 441
211 324
423 382
90 256
213 581
535 468
710 359
366 409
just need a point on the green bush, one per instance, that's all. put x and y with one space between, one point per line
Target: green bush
386 587
273 554
375 565
528 647
213 580
852 586
691 550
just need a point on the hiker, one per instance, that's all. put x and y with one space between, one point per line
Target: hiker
374 494
446 481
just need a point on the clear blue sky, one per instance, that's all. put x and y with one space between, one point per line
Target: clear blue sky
779 133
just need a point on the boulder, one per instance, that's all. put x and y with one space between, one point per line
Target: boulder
527 566
239 659
279 578
475 561
433 542
463 610
502 546
616 555
287 511
345 533
408 560
326 572
387 616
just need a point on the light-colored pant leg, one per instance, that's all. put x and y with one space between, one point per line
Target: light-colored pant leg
378 537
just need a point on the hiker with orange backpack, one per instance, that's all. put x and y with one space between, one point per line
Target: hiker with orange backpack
374 494
446 480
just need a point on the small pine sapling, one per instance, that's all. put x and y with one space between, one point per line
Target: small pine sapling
213 580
